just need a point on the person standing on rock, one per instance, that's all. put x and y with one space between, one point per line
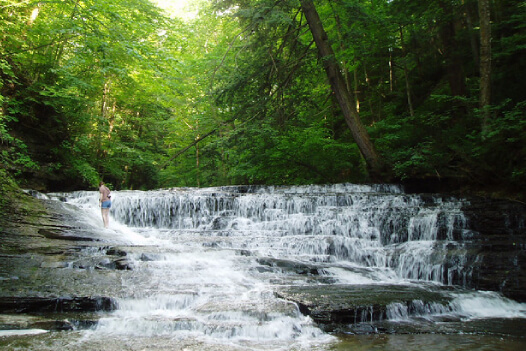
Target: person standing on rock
105 203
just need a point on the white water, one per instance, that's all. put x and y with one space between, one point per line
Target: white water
196 275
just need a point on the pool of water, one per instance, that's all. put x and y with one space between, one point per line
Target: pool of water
83 341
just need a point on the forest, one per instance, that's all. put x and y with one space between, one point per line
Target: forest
264 92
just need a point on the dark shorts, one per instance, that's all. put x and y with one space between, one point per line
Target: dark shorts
106 204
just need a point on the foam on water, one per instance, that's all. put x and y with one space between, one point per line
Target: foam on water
18 332
195 276
487 304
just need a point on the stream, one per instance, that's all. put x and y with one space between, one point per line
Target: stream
280 268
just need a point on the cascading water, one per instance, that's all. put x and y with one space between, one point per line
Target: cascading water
203 260
345 223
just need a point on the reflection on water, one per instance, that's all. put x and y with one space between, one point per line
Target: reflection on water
430 342
74 341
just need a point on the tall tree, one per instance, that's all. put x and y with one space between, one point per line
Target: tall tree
485 60
449 24
342 93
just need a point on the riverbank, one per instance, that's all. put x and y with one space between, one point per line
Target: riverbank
39 239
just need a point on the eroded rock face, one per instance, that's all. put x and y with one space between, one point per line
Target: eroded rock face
55 274
14 304
498 250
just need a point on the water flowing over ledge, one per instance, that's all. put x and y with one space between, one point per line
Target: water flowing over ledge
253 267
408 236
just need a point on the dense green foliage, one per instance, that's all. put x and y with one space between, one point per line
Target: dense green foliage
118 90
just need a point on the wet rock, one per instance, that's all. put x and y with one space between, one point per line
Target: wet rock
261 269
362 329
289 266
59 235
147 258
244 253
106 263
123 265
352 304
13 304
113 251
49 322
40 271
220 223
497 246
54 265
58 325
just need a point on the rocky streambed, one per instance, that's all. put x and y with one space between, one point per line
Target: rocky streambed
60 273
55 272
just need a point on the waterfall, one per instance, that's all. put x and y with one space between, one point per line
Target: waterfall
372 226
207 262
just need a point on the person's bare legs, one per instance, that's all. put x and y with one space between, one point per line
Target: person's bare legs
105 216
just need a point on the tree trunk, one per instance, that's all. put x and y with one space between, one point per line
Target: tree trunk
451 51
406 74
469 14
342 94
485 60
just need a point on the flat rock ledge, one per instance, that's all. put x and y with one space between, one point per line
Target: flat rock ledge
55 305
359 305
52 314
55 273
